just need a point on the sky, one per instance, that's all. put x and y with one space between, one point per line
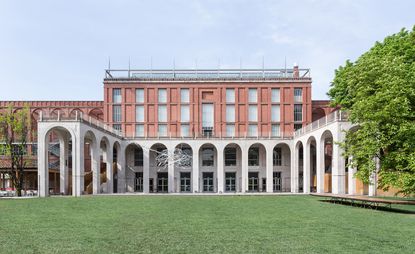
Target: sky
58 50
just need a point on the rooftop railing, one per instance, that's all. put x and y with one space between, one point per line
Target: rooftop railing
208 74
336 116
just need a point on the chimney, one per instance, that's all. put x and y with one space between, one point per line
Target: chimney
296 72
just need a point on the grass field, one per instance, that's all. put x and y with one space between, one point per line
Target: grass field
191 224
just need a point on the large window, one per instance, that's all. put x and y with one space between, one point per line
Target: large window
252 95
253 113
230 130
138 157
139 114
253 130
116 113
184 113
275 113
162 96
253 156
116 95
184 95
139 130
230 156
207 115
275 95
230 95
277 156
162 130
162 113
298 113
230 113
298 94
208 155
139 95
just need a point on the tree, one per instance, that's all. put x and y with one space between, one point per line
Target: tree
378 91
14 130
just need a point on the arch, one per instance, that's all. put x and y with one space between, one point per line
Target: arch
299 167
281 175
311 146
134 160
183 168
106 165
57 112
116 166
96 113
326 146
232 159
257 167
75 112
208 165
90 172
318 113
158 173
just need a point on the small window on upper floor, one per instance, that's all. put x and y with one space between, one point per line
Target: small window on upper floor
298 95
252 95
275 95
116 95
230 95
139 95
184 95
162 95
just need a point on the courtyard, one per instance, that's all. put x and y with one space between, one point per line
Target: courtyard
199 224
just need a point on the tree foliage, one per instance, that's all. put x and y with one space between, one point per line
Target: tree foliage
378 90
15 126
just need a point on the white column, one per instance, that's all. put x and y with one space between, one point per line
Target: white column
77 167
352 179
95 156
170 169
294 169
306 168
146 170
195 169
338 170
269 167
42 165
109 162
244 181
373 184
121 167
320 165
220 172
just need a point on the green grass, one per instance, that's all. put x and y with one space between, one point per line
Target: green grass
190 224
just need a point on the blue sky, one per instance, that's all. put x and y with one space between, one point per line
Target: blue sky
58 50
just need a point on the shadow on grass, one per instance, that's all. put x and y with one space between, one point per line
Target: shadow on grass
372 207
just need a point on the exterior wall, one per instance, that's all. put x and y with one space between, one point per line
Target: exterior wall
208 92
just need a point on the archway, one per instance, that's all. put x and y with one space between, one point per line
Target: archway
134 165
281 175
106 166
158 175
299 168
183 168
232 154
327 156
208 158
312 162
257 176
91 179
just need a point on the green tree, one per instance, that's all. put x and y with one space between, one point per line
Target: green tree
14 131
378 90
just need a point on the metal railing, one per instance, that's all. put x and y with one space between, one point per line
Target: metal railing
336 116
207 74
214 135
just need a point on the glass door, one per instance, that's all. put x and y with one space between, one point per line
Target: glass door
185 182
162 182
276 181
138 186
253 181
230 181
208 182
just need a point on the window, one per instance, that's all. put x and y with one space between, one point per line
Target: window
253 156
252 95
207 115
162 113
139 95
162 130
230 181
253 181
138 157
230 95
208 181
275 113
230 113
185 113
230 130
117 127
185 130
162 95
139 114
253 130
184 95
116 95
116 113
298 95
139 130
207 156
275 95
276 181
276 156
253 113
298 113
230 156
298 126
275 130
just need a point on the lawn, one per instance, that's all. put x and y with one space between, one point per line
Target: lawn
199 224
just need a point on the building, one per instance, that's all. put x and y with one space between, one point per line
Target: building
250 130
